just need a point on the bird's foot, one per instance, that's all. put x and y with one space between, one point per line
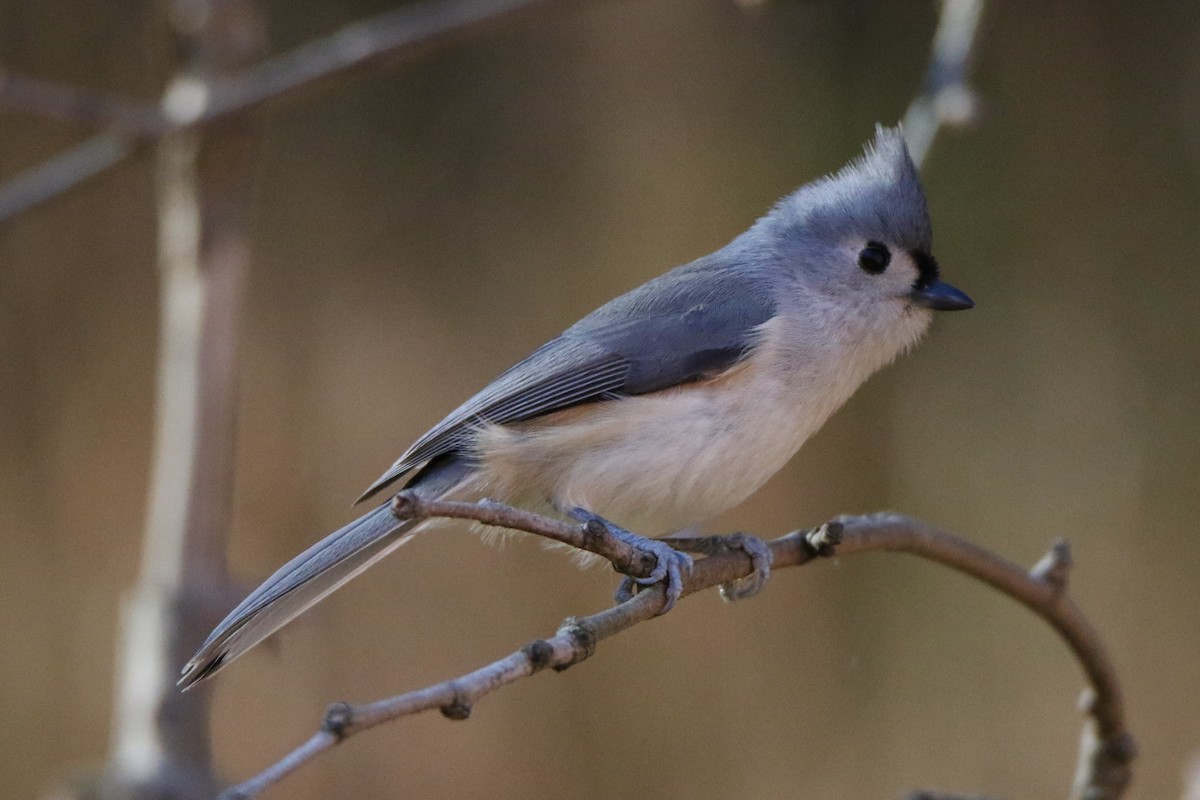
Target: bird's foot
760 555
671 569
670 565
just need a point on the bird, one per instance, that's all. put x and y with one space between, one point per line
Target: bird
671 403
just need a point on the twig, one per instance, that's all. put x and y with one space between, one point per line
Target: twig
592 537
1107 749
576 638
70 104
946 99
354 46
62 172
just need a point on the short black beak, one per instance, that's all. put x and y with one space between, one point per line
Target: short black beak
941 297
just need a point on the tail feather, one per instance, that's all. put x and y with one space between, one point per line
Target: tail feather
298 584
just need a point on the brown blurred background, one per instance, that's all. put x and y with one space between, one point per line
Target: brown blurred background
420 227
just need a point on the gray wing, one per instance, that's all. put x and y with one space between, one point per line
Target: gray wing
691 323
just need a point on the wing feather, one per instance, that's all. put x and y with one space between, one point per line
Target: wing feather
688 324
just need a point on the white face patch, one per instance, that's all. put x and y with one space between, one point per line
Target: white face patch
857 285
904 273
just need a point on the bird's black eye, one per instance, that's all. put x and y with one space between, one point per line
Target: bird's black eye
874 258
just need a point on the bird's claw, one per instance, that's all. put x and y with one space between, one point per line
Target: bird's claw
761 559
670 565
671 568
760 555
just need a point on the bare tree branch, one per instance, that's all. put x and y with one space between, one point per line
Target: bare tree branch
1107 748
387 35
1042 590
593 537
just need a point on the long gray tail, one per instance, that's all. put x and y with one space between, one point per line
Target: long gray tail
297 585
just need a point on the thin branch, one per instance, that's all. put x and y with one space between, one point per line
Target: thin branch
946 98
62 172
201 103
1107 748
577 638
592 537
71 104
354 46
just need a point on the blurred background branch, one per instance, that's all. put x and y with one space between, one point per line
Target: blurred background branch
161 740
20 93
63 172
946 98
386 36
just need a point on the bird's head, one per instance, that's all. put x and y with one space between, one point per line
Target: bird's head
861 237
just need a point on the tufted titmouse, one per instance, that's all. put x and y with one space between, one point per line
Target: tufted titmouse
671 403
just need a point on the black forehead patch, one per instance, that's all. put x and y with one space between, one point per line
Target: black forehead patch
927 269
